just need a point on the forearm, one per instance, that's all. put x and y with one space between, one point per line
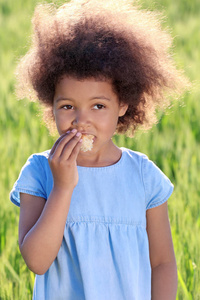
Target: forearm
164 281
42 242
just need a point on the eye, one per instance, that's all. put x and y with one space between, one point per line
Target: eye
67 107
99 106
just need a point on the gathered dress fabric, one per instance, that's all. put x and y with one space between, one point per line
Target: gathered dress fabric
105 251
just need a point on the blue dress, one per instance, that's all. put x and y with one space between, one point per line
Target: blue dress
105 252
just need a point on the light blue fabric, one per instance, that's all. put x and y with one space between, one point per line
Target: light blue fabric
104 254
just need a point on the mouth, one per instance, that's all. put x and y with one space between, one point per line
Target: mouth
87 142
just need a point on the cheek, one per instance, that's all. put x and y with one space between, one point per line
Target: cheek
62 123
107 125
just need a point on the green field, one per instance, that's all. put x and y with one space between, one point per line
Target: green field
174 144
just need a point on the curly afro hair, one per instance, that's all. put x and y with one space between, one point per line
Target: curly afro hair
105 40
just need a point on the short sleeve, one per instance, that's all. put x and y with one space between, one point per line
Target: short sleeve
158 187
30 181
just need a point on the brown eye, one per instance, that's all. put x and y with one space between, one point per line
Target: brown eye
67 107
99 106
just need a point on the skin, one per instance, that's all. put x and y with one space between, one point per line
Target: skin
162 257
86 107
91 107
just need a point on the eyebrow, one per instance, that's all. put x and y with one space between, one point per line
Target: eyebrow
71 99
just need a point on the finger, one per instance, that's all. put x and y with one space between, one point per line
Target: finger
57 142
76 150
64 140
69 147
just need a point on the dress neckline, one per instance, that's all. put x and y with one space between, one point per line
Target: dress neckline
109 167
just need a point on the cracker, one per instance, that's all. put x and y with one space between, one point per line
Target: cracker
87 142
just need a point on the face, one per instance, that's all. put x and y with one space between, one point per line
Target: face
90 106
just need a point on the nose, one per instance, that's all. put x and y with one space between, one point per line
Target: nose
81 120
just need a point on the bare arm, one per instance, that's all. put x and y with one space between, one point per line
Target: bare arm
42 223
163 263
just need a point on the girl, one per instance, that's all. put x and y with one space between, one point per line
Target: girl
94 224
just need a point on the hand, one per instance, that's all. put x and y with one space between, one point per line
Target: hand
62 160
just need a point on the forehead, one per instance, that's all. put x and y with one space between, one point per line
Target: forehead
74 88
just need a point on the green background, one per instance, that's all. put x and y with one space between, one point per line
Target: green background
173 144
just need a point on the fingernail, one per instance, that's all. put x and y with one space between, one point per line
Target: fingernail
78 134
68 131
74 130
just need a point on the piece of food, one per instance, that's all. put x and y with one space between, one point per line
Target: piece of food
87 142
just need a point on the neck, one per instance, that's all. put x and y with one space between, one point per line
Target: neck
103 158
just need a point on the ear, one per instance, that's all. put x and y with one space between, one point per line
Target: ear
122 109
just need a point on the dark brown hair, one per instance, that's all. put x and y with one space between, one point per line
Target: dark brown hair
104 40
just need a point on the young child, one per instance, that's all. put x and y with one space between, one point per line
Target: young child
93 219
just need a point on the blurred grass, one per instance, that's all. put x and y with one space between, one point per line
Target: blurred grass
173 144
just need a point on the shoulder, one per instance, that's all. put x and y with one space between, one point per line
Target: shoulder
156 184
37 166
133 154
34 178
141 159
38 160
134 157
42 156
135 163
